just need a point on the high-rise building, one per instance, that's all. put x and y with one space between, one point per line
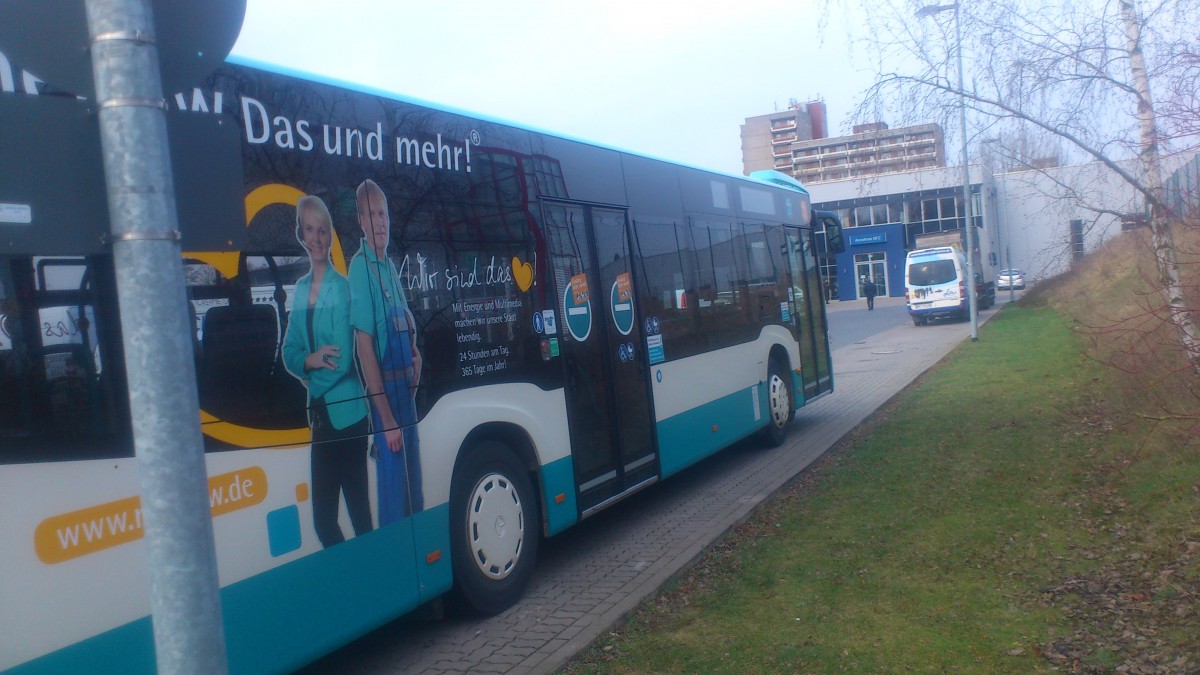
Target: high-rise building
796 142
767 139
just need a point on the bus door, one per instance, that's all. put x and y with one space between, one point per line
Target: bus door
603 352
810 314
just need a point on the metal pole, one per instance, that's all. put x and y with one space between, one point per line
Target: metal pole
184 591
973 303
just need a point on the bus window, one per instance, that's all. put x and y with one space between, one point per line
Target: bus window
721 251
662 249
764 273
59 397
239 323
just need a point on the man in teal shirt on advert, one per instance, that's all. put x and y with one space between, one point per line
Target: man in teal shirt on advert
388 358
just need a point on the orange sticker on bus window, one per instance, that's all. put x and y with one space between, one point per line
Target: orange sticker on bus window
96 528
579 289
624 287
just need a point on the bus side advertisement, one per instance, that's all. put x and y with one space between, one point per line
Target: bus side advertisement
434 340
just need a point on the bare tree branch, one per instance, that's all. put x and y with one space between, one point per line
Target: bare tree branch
1087 72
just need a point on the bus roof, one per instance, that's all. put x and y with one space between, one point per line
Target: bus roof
779 179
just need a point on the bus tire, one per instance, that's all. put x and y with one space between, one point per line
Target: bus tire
780 409
493 528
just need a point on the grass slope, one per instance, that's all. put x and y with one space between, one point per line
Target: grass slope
1003 515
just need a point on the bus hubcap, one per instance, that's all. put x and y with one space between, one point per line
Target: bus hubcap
779 401
495 526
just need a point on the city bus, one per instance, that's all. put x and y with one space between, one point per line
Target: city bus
434 339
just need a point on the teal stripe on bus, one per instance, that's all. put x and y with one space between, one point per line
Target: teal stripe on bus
689 437
128 649
288 616
558 478
431 529
797 391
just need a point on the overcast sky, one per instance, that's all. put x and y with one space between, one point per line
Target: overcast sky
668 78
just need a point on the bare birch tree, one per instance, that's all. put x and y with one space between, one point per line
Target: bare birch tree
1085 73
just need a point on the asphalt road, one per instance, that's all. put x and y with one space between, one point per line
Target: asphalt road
850 322
593 575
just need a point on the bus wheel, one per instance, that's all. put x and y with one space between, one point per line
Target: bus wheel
493 528
779 404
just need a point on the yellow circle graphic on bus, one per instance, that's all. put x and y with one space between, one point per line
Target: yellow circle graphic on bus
226 262
277 193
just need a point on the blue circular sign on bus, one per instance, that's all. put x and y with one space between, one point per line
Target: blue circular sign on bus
579 316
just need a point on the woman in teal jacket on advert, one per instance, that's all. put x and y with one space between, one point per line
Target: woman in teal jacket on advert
319 350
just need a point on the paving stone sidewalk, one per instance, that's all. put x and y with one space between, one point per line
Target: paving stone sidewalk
592 576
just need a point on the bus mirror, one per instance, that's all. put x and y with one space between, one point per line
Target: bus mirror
828 221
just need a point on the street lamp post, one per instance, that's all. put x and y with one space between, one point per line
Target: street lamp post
973 301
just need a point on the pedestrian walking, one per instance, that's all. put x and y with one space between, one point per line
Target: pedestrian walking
870 290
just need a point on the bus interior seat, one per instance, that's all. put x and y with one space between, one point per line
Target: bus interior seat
239 348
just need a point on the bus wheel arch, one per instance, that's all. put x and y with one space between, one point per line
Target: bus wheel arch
781 409
495 525
514 437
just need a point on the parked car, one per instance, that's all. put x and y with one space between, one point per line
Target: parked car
1013 278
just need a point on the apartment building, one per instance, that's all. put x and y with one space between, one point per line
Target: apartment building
792 143
767 138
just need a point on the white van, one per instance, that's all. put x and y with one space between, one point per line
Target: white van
935 284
